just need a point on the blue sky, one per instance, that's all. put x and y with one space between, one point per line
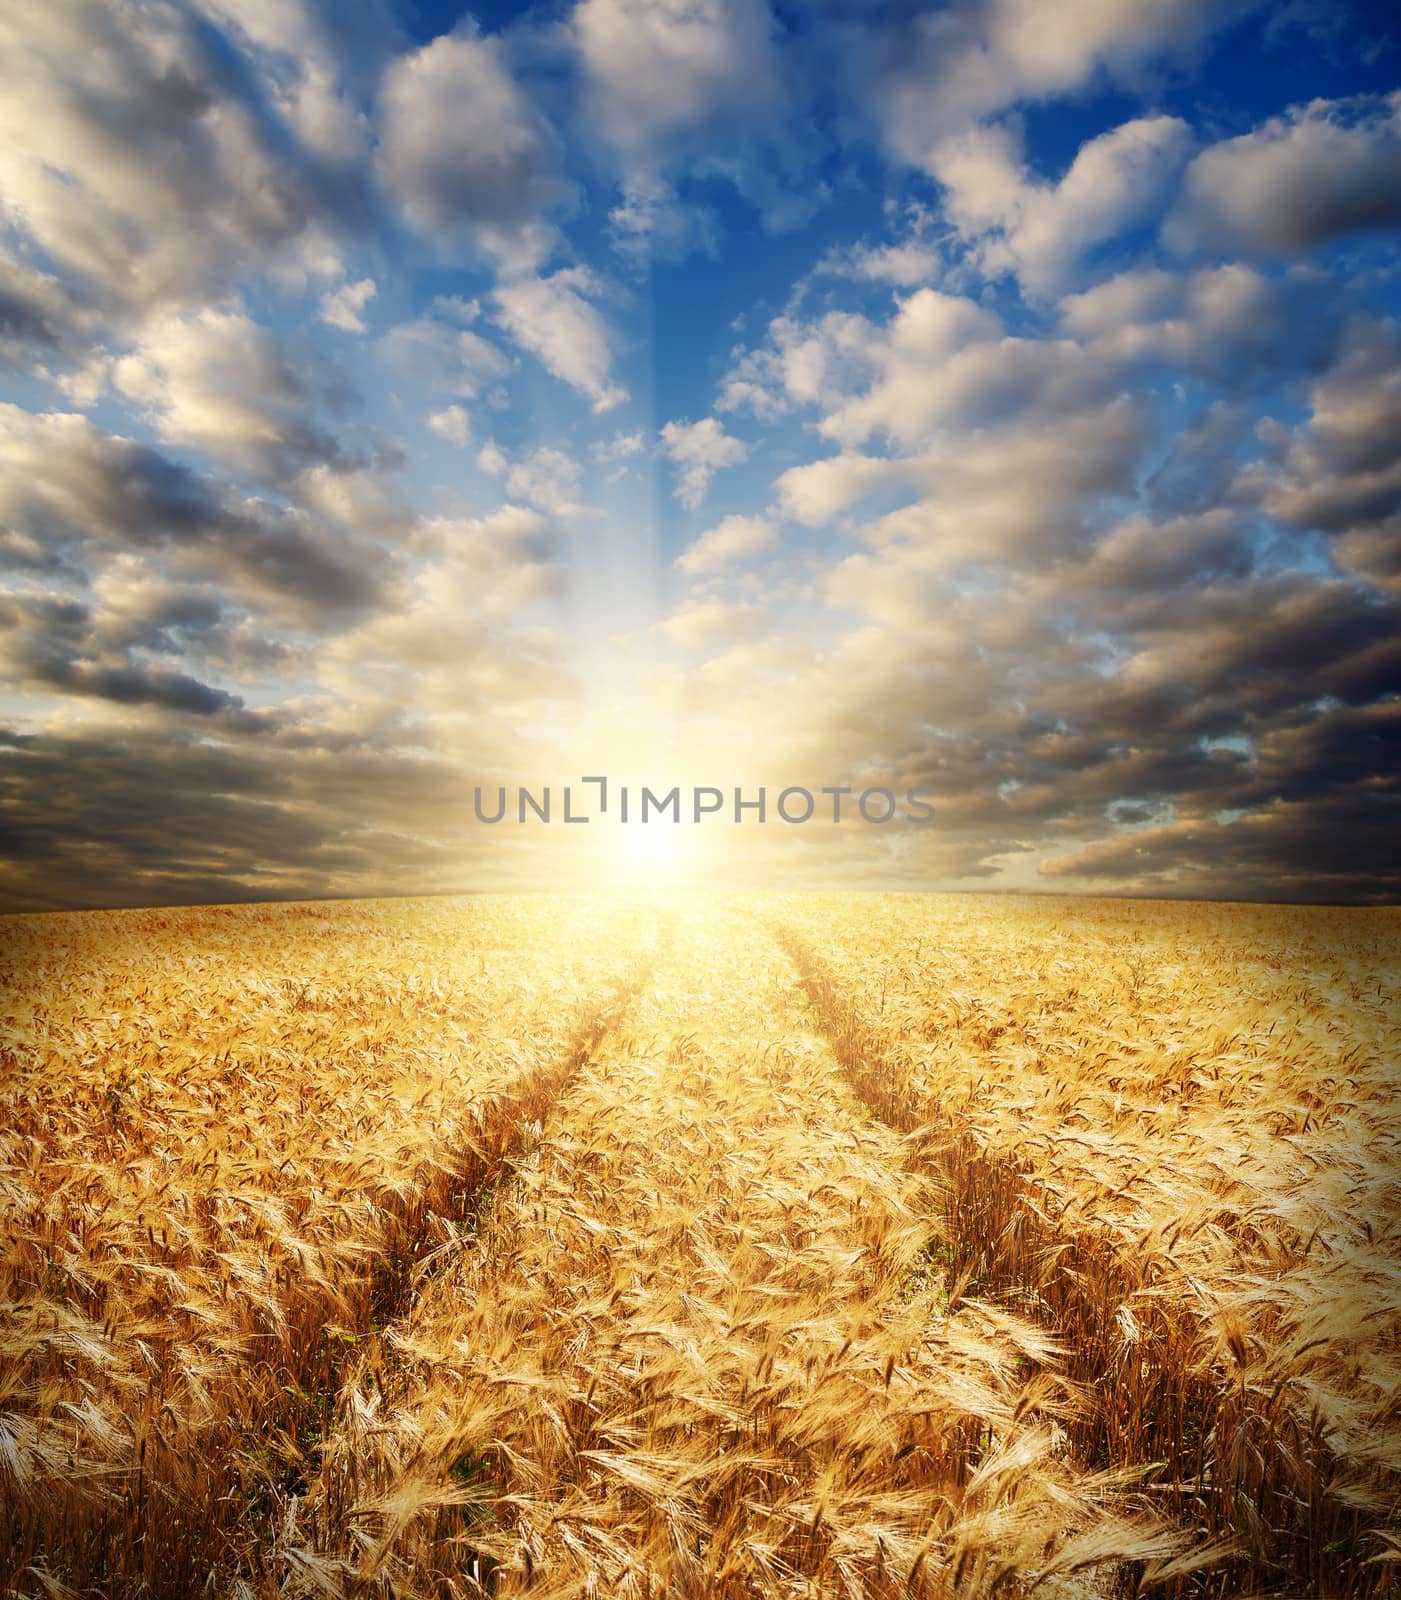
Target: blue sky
996 396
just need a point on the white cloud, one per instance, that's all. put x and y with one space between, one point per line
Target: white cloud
619 447
700 450
452 646
1039 231
550 318
819 490
652 222
495 563
730 541
1021 494
682 87
345 307
356 498
942 362
461 145
657 71
492 459
548 479
1294 184
1018 490
315 69
456 309
1231 324
905 265
451 423
444 356
912 358
804 363
228 386
952 68
128 157
1146 295
699 624
326 37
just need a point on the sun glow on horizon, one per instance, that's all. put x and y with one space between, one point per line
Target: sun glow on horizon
656 852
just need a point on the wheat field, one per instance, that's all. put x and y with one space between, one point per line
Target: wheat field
826 1245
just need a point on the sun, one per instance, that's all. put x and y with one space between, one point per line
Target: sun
658 851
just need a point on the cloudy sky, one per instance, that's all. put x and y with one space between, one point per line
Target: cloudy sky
1000 397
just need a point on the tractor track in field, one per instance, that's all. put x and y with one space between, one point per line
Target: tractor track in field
187 1496
406 1269
528 1101
1006 1242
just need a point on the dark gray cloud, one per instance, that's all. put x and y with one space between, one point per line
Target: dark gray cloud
70 492
1338 850
162 816
89 820
135 685
1339 472
40 319
54 643
1198 473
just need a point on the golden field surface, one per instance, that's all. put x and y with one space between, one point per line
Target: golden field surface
820 1245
